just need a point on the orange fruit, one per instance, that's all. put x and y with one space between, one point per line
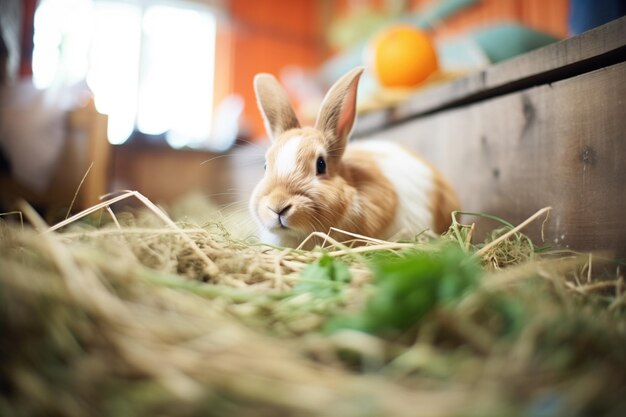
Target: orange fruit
402 56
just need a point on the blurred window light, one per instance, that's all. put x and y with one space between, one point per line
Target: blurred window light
149 63
114 62
61 42
177 77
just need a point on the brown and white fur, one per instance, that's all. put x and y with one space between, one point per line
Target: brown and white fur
372 188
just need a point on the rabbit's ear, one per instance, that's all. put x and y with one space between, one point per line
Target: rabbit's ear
338 111
274 104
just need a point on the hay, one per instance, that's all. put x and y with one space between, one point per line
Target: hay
145 316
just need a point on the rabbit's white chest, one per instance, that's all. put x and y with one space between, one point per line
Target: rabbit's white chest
413 182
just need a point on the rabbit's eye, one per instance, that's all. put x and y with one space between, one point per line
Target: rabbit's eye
321 166
265 166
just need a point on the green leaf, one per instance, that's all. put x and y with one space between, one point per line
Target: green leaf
410 287
324 278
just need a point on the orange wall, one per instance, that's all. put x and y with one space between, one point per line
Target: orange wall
266 36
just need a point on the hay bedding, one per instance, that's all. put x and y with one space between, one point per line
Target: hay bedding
148 317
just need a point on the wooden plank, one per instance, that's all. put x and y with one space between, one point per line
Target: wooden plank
559 145
603 46
87 130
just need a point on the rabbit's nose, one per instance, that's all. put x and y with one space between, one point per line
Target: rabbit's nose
281 211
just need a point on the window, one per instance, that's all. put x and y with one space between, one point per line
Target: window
150 64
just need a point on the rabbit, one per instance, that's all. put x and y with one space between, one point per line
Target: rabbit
315 180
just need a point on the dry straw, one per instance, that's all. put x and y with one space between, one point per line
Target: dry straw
151 317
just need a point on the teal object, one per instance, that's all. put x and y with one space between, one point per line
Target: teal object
504 41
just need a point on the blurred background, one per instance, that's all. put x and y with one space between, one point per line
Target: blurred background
156 95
